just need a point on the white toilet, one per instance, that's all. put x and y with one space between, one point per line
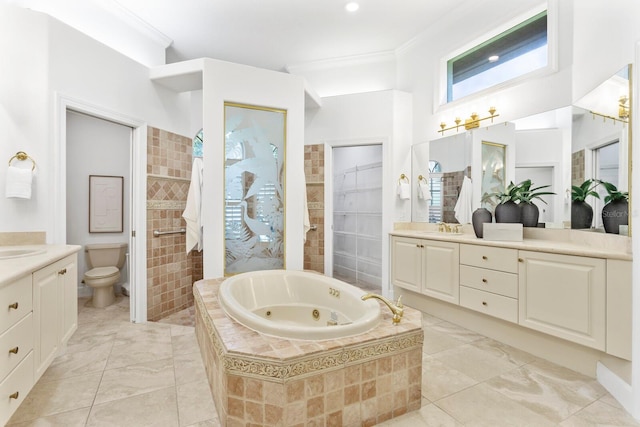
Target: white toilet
105 261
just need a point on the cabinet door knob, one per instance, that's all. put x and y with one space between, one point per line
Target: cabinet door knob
484 303
63 271
520 260
14 395
484 280
484 257
14 306
14 350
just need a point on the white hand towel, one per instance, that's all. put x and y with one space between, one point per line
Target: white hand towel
404 191
306 223
462 210
424 192
192 212
19 182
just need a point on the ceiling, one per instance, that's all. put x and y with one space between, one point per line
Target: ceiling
271 34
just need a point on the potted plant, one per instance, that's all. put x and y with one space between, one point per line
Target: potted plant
616 209
507 209
581 211
525 194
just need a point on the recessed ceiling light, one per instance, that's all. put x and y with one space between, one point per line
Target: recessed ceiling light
352 6
493 58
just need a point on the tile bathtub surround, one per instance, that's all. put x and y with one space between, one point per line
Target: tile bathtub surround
262 380
170 271
314 175
10 238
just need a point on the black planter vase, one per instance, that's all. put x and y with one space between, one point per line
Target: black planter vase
479 217
529 214
581 215
615 214
508 212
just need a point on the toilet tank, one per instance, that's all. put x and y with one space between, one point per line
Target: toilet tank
106 254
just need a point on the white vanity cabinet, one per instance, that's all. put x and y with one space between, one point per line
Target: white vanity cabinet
564 296
16 345
430 267
489 280
39 314
619 308
55 309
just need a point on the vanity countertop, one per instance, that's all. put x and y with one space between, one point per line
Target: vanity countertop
579 243
12 268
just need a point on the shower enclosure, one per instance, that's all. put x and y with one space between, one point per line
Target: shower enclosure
357 216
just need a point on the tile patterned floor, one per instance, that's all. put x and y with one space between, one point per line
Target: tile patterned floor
116 373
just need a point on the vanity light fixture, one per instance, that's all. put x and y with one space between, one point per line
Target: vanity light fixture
352 6
623 107
472 122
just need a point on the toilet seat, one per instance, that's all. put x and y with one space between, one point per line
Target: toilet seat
102 273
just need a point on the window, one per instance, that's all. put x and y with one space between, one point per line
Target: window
435 187
511 54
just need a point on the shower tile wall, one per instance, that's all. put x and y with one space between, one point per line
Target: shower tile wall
170 271
451 185
314 174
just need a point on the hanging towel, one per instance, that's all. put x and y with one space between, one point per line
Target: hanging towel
463 205
192 211
306 223
424 192
19 182
404 190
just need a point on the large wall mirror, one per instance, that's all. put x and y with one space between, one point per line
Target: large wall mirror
560 148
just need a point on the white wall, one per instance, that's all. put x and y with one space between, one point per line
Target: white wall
94 147
53 59
225 81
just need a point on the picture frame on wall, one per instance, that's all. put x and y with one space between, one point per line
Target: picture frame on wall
105 204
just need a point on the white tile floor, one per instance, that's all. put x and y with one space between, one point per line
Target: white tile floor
116 373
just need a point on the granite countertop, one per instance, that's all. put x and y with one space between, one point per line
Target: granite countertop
16 267
580 243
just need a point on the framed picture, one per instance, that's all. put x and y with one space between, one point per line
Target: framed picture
105 204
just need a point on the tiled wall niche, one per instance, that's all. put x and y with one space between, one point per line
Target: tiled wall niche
170 270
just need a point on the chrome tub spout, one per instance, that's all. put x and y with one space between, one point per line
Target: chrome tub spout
397 309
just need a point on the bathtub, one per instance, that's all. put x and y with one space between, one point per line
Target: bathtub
297 305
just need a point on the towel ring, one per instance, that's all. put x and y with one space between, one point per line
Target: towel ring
403 177
22 156
422 179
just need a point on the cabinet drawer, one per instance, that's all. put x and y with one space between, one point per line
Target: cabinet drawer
17 384
497 282
16 302
15 344
494 305
501 259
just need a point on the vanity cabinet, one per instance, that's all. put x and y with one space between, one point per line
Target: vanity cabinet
489 280
564 296
619 308
39 314
430 267
55 309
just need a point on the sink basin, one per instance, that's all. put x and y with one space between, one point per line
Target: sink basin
18 253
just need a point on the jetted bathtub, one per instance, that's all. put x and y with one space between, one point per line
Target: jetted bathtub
297 305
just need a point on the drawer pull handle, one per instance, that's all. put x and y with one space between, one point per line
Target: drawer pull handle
14 395
63 271
484 280
484 303
14 305
520 260
484 257
14 350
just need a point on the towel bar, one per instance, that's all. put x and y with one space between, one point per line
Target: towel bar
157 233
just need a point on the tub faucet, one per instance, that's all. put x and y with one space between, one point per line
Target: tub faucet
396 308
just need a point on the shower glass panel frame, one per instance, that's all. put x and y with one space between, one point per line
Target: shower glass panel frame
357 223
254 191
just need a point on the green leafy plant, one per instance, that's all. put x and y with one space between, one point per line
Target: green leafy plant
527 192
613 194
584 190
510 194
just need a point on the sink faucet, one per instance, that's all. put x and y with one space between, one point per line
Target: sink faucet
396 308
